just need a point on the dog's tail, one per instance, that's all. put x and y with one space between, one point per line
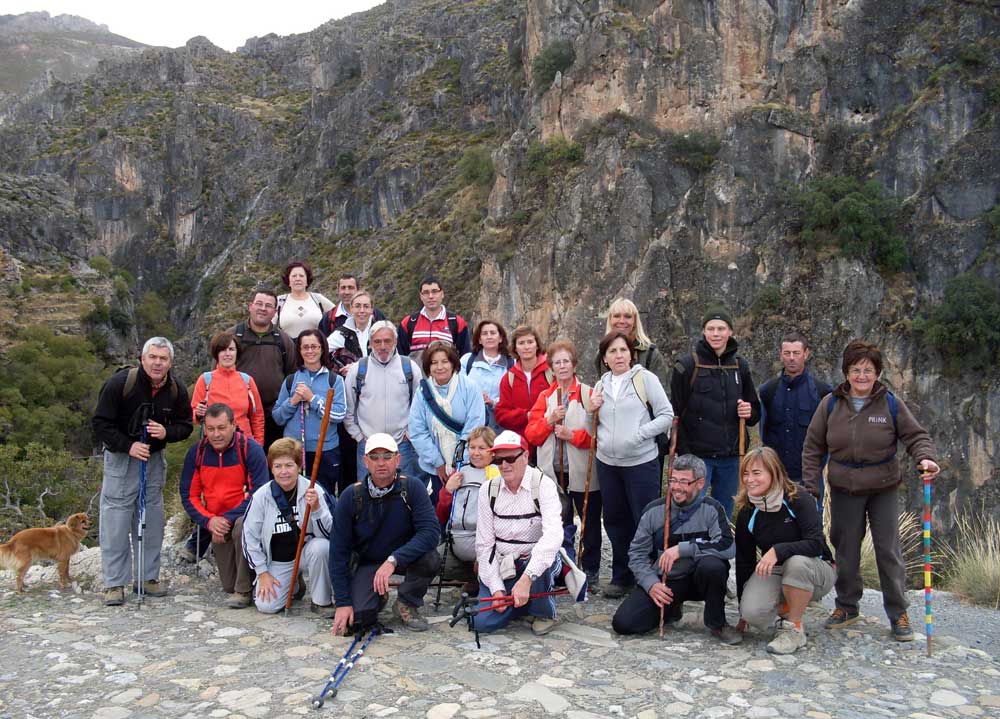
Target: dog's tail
7 560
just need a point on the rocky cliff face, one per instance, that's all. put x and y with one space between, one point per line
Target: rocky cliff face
657 165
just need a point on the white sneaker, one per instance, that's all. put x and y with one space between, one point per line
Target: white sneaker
788 638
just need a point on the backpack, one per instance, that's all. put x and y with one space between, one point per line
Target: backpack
662 439
133 376
452 325
472 359
510 377
359 380
460 532
207 377
241 329
536 484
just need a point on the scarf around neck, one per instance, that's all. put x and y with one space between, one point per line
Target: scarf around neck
447 440
770 502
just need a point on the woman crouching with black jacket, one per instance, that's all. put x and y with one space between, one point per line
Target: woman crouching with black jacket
795 565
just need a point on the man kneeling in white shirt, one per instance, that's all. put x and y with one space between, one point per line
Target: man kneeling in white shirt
518 536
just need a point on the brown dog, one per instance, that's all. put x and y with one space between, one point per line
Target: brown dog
58 543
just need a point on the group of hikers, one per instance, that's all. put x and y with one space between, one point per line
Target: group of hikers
472 455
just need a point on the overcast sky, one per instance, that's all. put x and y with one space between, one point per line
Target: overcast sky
227 24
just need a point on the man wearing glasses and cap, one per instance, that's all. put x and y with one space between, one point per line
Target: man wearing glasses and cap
696 562
518 536
383 525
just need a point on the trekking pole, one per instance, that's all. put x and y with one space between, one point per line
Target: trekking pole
668 502
928 615
140 573
335 680
312 483
302 433
743 438
448 539
586 485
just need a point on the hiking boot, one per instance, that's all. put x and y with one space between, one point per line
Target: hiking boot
540 626
727 635
239 600
901 629
410 616
324 610
186 556
151 588
300 589
841 618
593 583
614 591
114 596
788 639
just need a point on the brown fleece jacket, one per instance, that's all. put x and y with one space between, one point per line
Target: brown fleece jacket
864 438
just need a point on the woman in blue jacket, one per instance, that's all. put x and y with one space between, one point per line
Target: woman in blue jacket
446 409
487 364
301 404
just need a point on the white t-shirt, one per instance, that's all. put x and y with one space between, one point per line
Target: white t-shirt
296 316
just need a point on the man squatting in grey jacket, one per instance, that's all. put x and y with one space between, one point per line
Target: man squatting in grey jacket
696 562
382 406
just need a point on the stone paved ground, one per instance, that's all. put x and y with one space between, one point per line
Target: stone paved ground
66 655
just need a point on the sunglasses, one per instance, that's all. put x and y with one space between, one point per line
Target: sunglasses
508 460
383 456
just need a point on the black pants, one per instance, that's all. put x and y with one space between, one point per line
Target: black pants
417 577
638 614
272 430
348 459
590 562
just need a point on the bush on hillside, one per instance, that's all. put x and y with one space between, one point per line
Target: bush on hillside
554 58
558 153
858 217
476 167
48 385
973 560
963 328
40 485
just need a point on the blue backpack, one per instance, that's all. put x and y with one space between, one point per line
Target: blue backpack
359 381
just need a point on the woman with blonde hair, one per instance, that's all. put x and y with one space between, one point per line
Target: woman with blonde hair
795 564
623 316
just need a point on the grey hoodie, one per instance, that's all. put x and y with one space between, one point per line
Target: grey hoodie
626 436
384 404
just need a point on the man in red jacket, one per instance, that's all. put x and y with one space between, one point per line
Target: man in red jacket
220 473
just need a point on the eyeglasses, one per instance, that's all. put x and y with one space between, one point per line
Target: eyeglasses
264 305
311 347
381 456
862 372
508 459
682 482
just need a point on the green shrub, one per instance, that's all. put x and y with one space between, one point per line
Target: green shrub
556 57
768 300
49 385
963 328
695 150
544 158
152 316
860 218
476 167
100 314
42 485
345 167
102 264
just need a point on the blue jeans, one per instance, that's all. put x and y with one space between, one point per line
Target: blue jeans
491 620
625 492
723 477
408 465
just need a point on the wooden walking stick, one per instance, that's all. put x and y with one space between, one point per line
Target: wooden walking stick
743 438
312 483
666 507
586 486
928 614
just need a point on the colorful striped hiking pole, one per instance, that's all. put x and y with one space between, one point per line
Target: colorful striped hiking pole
302 432
928 614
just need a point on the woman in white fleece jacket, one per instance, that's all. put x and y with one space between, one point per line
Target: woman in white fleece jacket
627 460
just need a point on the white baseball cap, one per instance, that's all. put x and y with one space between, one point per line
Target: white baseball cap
509 440
381 441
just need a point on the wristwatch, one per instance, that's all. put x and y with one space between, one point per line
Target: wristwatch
391 560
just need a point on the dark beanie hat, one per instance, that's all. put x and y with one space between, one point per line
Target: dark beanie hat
717 312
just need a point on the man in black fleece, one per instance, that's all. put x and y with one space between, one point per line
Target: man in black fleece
696 561
382 526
